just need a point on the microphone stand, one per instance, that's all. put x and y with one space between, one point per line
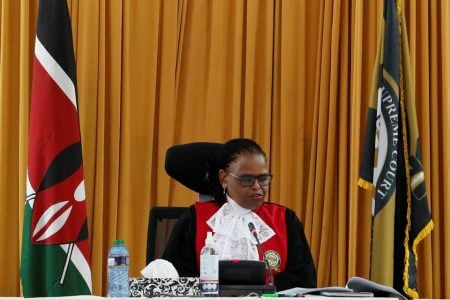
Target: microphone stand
252 229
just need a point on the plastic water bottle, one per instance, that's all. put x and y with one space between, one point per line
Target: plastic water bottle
209 268
118 265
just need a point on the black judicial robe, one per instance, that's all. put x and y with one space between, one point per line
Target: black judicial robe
288 251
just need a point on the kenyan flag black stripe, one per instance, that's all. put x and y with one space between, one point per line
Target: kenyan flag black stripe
55 15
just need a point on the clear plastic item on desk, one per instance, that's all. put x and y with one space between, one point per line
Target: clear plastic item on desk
209 268
118 266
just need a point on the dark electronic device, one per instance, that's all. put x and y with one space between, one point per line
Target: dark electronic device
243 277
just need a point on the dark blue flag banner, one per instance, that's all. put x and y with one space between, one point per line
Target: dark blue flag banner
391 161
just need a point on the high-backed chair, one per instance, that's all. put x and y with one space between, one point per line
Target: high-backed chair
187 164
160 225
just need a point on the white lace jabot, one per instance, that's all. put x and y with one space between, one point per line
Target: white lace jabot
232 238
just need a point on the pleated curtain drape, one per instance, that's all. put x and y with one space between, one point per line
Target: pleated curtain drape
294 75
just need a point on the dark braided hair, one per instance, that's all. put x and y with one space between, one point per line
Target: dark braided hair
221 160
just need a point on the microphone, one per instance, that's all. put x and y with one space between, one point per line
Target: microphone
252 229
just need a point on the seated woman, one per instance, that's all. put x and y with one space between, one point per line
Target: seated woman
239 178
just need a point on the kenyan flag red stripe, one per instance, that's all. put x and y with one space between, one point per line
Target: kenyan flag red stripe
55 257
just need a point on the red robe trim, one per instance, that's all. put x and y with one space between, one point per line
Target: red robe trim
272 214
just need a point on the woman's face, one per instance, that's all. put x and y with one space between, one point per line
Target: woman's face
249 197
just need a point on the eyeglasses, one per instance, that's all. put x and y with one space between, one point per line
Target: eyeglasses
249 180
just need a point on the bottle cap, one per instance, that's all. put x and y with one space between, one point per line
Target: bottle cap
118 243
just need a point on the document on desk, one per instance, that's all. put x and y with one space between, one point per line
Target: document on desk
355 287
346 294
300 292
359 284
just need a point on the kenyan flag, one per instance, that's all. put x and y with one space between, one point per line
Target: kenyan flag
55 248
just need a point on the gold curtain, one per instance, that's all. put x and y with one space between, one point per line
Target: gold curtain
294 75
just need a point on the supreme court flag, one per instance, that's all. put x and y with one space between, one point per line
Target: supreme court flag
55 258
391 161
